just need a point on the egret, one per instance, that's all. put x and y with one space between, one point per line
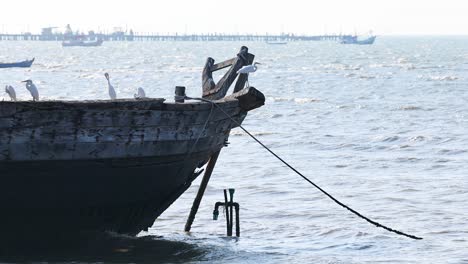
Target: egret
32 89
140 93
11 92
112 93
248 69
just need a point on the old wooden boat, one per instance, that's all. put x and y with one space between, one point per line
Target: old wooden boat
78 166
21 64
82 43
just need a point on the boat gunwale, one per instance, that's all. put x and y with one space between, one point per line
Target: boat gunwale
108 105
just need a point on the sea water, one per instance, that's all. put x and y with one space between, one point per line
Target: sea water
383 128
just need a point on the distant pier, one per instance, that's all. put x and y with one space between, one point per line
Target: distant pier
121 36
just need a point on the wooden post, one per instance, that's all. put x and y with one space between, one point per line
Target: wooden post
228 217
208 83
201 190
179 94
231 214
237 220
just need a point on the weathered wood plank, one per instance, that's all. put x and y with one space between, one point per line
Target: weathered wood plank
221 88
106 150
8 108
222 65
50 143
208 83
52 134
249 98
113 119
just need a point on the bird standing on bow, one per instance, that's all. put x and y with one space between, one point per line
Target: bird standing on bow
11 92
248 69
32 89
112 93
140 93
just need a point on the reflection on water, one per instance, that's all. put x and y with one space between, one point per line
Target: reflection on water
101 248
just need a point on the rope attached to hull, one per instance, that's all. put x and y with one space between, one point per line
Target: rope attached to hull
307 179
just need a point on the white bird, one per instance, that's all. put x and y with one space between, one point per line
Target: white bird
140 93
32 89
112 93
248 69
11 92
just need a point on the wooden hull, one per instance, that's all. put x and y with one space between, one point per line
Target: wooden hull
105 166
119 195
22 64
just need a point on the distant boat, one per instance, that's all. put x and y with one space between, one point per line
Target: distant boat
348 39
81 43
21 64
276 42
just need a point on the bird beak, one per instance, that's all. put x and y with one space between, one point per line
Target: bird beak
25 81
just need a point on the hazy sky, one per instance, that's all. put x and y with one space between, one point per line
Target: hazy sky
241 16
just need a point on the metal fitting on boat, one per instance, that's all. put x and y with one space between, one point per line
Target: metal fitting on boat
228 206
179 94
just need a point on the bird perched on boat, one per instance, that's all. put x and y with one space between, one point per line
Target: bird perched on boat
11 92
248 69
32 89
112 93
140 93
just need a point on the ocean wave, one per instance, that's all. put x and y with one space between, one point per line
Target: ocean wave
341 166
386 138
442 78
403 146
409 190
402 60
280 99
377 65
417 138
452 151
341 67
408 159
410 108
276 116
366 77
305 100
295 100
51 66
242 133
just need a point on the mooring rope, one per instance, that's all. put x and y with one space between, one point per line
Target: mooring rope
305 178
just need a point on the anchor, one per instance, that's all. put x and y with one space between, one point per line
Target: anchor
228 206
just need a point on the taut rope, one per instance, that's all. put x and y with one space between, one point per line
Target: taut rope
307 179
